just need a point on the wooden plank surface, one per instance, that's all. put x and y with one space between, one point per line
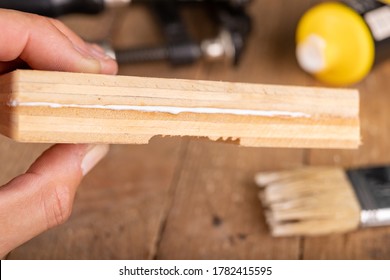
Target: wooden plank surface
189 199
375 120
118 209
216 214
56 107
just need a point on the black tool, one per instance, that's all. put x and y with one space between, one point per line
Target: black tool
56 8
235 26
180 48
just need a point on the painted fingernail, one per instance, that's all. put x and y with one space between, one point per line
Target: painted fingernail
93 155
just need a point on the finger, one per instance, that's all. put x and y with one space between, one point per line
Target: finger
77 41
42 197
73 37
44 45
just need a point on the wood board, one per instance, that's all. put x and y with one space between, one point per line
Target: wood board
58 107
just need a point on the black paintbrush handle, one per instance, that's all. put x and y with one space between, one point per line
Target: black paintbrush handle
372 188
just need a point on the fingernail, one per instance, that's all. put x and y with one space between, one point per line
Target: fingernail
96 60
93 155
98 52
108 64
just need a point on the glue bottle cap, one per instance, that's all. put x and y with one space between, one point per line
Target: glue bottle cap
334 44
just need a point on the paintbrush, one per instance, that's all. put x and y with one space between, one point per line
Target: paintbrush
324 200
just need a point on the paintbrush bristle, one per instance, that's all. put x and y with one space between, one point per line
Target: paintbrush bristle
308 201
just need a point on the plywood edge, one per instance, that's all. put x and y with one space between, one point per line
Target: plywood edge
70 107
8 113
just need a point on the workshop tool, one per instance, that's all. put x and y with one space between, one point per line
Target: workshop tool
234 27
56 8
179 48
325 200
338 42
44 106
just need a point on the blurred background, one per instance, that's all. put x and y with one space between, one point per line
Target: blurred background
182 198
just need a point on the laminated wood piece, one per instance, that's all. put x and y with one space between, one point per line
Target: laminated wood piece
59 107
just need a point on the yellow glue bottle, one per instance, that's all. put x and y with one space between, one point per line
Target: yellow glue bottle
338 42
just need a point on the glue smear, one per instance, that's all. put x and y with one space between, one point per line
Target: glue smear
165 109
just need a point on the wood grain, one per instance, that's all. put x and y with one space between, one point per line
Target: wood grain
216 214
209 209
375 120
50 107
118 208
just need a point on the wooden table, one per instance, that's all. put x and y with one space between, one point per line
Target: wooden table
193 199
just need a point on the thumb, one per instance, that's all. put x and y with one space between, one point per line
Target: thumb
43 197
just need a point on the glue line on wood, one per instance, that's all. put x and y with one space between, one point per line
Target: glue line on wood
58 107
165 109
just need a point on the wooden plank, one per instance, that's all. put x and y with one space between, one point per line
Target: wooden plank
216 213
375 122
268 59
71 107
365 244
120 206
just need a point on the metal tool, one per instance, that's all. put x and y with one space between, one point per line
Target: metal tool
179 48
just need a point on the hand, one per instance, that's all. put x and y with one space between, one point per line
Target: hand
42 197
47 44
